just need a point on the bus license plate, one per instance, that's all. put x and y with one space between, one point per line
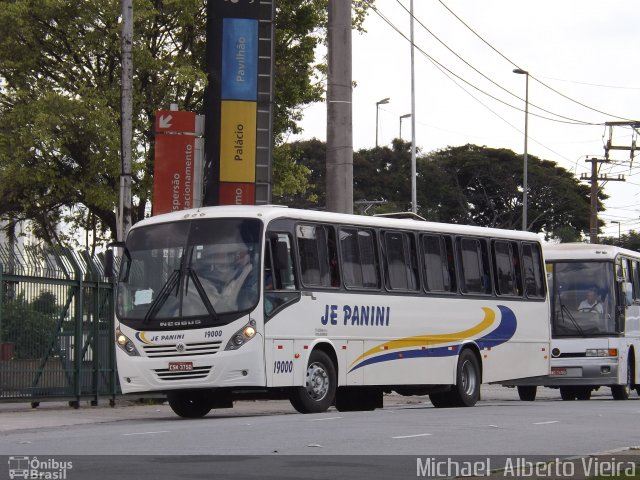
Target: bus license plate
558 371
180 366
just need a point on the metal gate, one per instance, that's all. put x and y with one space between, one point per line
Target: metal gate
56 324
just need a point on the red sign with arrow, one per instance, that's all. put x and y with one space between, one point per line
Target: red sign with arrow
175 121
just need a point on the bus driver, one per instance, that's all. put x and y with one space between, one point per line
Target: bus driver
226 277
591 304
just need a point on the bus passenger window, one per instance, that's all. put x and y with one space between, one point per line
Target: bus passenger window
532 269
476 276
359 258
318 256
507 268
400 261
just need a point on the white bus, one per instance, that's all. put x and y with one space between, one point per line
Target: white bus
224 303
595 320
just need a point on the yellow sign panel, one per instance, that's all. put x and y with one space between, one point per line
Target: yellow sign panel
238 142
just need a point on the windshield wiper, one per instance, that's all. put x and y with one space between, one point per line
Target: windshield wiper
203 295
165 291
564 309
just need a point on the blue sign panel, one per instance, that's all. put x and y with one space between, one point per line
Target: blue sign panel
239 59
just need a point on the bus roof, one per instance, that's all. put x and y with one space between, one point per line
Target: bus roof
268 213
584 251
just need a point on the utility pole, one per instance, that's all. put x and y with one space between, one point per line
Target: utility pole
594 178
124 212
339 109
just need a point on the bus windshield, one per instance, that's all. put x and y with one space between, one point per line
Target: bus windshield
583 299
189 273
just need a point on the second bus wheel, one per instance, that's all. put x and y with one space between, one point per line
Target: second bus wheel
622 392
320 385
527 393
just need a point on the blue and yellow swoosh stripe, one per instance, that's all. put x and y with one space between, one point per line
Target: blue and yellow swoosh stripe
426 345
140 336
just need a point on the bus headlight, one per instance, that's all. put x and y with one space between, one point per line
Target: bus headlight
125 344
601 352
242 336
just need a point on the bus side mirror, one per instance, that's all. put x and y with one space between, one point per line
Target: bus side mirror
626 289
108 264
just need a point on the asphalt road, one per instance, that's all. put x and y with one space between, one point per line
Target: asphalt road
268 439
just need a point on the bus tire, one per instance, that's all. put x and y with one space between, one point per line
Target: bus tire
583 393
189 403
567 393
466 391
621 392
527 393
320 385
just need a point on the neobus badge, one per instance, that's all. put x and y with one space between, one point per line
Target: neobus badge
357 315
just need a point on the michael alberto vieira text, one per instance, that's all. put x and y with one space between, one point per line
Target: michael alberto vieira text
521 467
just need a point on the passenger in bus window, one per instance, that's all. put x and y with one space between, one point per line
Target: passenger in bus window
228 278
591 304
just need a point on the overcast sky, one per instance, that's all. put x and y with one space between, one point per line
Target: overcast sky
584 49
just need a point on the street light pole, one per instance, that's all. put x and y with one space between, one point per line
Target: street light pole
406 115
414 195
378 103
525 186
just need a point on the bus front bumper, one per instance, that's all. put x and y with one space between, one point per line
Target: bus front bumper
603 372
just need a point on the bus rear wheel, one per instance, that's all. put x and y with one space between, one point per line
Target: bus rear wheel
527 393
320 385
466 391
190 403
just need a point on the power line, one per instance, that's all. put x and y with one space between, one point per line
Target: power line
442 67
532 76
480 73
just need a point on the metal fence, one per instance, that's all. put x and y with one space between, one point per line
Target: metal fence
56 324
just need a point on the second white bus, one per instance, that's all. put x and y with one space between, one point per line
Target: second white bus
595 320
224 303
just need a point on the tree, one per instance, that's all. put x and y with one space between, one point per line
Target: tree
483 186
629 240
60 98
467 185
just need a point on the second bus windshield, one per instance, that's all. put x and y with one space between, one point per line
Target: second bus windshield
582 298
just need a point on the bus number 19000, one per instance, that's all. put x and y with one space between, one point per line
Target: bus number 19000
283 367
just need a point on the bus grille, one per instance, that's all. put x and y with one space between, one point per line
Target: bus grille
181 349
165 374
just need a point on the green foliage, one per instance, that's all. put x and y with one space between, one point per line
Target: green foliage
483 186
310 156
467 185
60 77
629 240
29 325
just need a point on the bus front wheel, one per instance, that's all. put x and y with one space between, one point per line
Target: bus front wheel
190 403
320 385
621 392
